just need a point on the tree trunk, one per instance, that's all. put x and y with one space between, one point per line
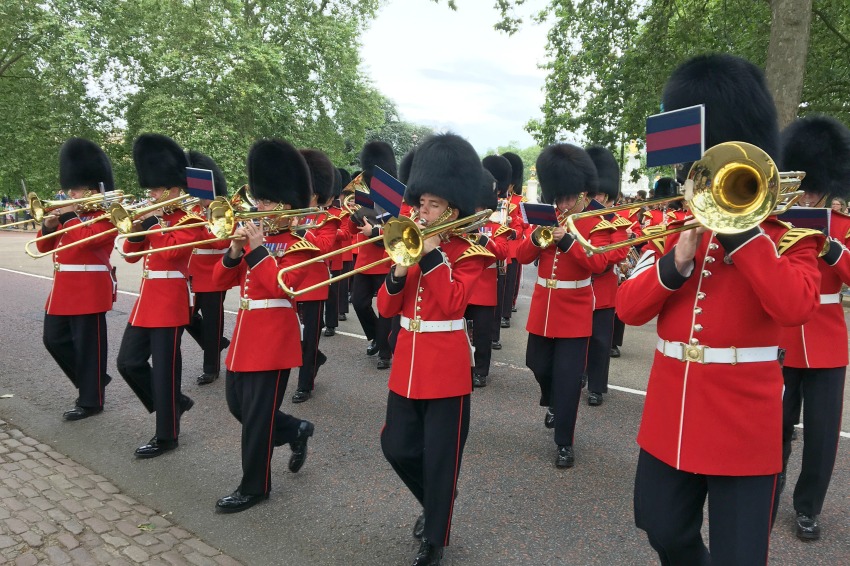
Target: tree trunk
787 53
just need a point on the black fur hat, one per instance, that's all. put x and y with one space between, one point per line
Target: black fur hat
346 177
82 164
487 197
160 162
201 161
445 165
337 183
321 174
565 170
380 154
820 146
517 168
279 173
738 104
501 169
666 187
404 166
607 170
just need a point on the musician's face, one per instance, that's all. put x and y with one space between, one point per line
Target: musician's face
77 193
264 205
431 207
810 199
156 193
566 203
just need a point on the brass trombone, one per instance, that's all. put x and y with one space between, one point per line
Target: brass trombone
350 191
38 208
403 241
733 188
545 234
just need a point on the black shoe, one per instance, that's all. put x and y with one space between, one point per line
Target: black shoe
565 457
549 419
419 526
186 403
479 380
615 351
372 349
807 527
330 331
301 395
384 363
506 322
428 555
207 378
594 399
236 502
79 413
513 308
299 446
496 345
155 447
343 316
225 343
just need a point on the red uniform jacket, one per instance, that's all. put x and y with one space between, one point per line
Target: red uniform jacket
204 259
517 224
81 292
341 239
633 215
370 253
565 313
324 239
265 339
822 341
165 302
434 365
720 419
485 290
605 283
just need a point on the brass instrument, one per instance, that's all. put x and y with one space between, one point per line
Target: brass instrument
403 241
350 191
544 235
733 188
38 208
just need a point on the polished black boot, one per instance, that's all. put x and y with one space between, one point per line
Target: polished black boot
565 458
236 502
299 446
615 351
549 419
479 380
594 399
207 378
808 528
155 447
419 526
301 395
372 349
79 413
428 555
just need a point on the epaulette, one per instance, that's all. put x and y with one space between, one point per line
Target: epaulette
475 250
621 222
512 207
793 236
193 218
671 214
502 230
647 214
632 211
523 199
659 242
603 225
301 246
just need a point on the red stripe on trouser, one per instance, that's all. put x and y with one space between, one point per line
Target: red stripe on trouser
271 438
454 482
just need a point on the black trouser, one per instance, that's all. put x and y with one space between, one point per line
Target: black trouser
619 331
480 318
254 398
207 327
157 386
517 284
822 393
374 327
310 313
510 288
423 441
669 507
558 364
78 344
332 304
497 313
599 350
345 287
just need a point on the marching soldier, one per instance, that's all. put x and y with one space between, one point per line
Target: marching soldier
337 294
83 279
428 405
164 304
346 239
502 172
266 341
712 418
513 273
206 326
816 353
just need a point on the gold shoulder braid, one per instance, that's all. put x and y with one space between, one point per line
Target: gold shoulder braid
501 230
621 222
189 218
603 225
300 246
475 250
793 236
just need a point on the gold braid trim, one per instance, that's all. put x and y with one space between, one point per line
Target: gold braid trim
475 250
300 246
793 236
621 222
502 230
603 225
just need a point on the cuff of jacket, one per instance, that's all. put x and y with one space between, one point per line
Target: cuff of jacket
229 262
150 222
395 284
566 243
66 217
431 261
835 250
667 272
731 242
255 256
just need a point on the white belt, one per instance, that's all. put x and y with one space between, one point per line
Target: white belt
494 266
417 325
256 304
198 251
708 355
556 284
79 267
148 274
831 299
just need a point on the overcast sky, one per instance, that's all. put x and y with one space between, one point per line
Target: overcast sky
452 71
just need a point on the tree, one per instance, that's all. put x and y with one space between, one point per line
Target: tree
528 154
402 136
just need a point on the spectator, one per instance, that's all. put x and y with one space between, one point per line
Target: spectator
839 205
641 195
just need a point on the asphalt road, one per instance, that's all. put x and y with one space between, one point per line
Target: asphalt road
347 506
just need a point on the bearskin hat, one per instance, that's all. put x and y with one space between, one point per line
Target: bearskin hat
160 162
82 164
445 165
607 170
487 197
377 154
738 104
279 173
666 187
501 170
820 146
565 170
517 168
346 178
337 183
321 174
404 166
201 161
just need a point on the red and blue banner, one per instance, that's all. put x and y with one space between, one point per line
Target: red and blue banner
539 214
363 199
199 183
675 137
804 217
386 191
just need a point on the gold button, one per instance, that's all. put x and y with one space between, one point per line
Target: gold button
418 308
709 259
697 310
706 273
421 289
418 298
713 246
697 327
700 295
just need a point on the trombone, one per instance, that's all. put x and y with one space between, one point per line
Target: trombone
38 208
733 188
349 193
545 234
403 241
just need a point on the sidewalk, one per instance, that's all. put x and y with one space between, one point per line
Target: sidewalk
55 511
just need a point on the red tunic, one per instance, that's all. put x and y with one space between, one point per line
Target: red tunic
81 292
270 338
324 239
605 283
485 290
517 224
720 419
204 259
370 253
565 312
434 365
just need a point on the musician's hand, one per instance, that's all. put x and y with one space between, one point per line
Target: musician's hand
686 247
51 221
558 234
157 212
630 232
238 243
366 229
254 235
65 209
